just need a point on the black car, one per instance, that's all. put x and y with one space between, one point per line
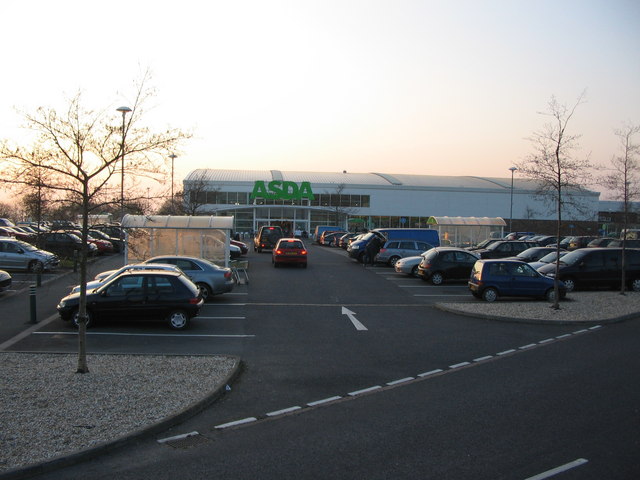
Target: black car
534 254
597 267
118 243
63 244
505 248
446 263
267 238
150 295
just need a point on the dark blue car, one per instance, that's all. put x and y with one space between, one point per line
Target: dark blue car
491 279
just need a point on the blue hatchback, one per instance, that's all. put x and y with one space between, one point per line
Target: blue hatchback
491 279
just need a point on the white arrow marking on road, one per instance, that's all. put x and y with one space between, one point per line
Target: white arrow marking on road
352 317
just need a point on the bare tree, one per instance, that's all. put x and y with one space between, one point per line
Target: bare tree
553 163
623 181
197 193
80 149
340 211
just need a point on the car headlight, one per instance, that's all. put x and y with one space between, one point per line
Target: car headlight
62 304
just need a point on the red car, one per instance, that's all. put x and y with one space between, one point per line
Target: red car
289 251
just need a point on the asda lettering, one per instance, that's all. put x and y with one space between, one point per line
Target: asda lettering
279 190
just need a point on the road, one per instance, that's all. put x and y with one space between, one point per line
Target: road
404 391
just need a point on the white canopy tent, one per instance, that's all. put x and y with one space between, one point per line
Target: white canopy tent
197 236
466 231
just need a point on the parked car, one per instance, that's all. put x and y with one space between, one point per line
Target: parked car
579 242
104 277
111 229
140 295
118 243
5 281
234 251
343 241
628 243
491 279
18 255
597 267
534 254
358 248
543 240
505 248
601 242
394 250
484 244
548 258
446 263
267 237
289 251
329 238
409 265
244 249
210 278
102 246
20 234
64 244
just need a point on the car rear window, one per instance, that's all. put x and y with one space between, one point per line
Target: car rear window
290 245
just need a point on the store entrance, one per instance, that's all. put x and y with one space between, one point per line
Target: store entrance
290 228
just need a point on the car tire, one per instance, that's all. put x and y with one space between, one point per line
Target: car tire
414 271
550 295
635 285
35 266
74 319
490 295
178 320
393 260
205 291
437 278
570 283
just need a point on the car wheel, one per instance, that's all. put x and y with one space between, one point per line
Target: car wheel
490 295
570 283
36 266
550 295
178 320
635 285
414 271
76 314
437 278
205 291
393 260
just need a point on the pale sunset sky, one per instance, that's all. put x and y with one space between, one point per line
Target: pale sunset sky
398 86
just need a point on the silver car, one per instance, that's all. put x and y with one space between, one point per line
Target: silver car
18 255
409 265
104 277
208 277
394 250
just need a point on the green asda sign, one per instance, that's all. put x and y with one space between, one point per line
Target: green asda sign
282 190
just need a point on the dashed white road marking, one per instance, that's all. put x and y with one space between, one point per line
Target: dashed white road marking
283 411
236 423
402 380
482 359
506 352
562 468
364 390
432 372
177 437
324 400
458 365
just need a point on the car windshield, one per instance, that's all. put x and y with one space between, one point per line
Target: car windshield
27 246
572 258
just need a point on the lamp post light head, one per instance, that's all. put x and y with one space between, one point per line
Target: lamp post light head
123 110
513 169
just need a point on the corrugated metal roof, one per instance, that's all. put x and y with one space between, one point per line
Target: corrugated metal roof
175 221
373 179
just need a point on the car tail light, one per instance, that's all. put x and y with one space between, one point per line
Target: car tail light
278 252
227 274
194 301
382 250
303 252
426 265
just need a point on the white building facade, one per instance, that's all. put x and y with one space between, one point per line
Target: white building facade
302 200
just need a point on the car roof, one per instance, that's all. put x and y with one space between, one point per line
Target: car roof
501 260
128 273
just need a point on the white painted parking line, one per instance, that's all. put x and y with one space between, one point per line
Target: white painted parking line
440 295
432 372
563 468
546 340
122 334
283 411
595 327
236 423
524 347
324 400
364 390
458 365
584 330
506 352
563 336
482 359
402 380
221 318
178 437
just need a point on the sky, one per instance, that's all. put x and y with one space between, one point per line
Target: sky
405 86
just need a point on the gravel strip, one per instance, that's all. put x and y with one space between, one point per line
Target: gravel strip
48 410
600 306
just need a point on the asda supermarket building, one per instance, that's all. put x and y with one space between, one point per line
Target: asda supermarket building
302 200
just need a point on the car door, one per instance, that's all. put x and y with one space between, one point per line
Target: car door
406 248
591 270
525 280
161 296
463 264
122 298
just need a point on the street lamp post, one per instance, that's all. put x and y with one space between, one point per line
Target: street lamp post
124 111
172 157
513 169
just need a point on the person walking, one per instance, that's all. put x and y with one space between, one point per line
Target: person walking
371 250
